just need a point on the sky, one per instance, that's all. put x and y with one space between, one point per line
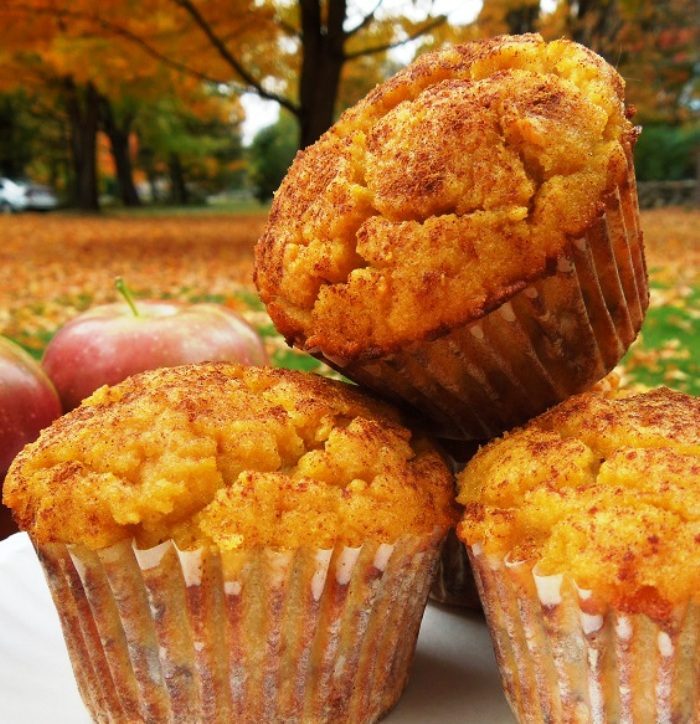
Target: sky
261 113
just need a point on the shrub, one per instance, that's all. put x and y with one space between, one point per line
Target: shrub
666 153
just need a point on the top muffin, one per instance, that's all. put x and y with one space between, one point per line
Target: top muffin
443 193
230 457
603 487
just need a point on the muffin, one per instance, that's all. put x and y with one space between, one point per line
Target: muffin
235 544
454 581
465 239
583 529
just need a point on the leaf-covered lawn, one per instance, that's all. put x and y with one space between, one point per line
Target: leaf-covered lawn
53 267
668 349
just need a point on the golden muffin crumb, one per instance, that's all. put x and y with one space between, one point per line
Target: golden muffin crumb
605 487
230 456
441 194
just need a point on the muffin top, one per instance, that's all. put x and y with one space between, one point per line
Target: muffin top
605 487
229 456
441 194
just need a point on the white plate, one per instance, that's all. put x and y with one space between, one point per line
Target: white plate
454 677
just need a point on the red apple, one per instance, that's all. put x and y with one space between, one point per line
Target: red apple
106 344
28 401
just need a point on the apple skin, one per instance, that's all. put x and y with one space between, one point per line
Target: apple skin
28 401
108 343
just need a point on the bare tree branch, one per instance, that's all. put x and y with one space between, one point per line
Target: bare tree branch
436 22
365 21
231 60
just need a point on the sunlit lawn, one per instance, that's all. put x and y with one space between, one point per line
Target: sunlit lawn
53 267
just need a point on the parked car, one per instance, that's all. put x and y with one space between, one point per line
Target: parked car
25 196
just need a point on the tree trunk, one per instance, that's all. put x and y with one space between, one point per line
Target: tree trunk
15 153
595 23
82 104
119 145
322 62
323 55
178 188
523 19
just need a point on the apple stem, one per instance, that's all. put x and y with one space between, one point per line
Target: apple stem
120 284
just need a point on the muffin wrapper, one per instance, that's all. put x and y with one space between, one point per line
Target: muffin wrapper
554 338
454 581
162 635
564 658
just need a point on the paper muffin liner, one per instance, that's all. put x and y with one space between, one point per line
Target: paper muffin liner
454 581
565 658
554 338
162 634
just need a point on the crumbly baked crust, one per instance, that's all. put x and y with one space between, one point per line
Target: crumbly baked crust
442 194
229 456
604 488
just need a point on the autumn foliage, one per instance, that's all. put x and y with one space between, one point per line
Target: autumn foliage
87 75
158 69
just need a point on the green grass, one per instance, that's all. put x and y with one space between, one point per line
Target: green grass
35 344
668 351
229 207
250 299
293 360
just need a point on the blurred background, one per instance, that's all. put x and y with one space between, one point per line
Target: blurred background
153 133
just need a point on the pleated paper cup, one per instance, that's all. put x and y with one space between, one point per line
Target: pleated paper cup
564 657
552 339
166 635
454 581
